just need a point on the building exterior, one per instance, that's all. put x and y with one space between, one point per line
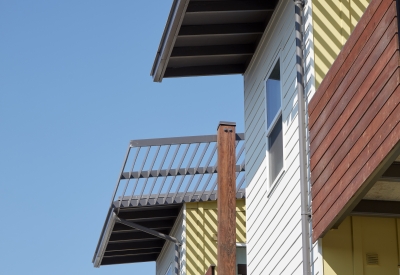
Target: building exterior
354 142
197 228
164 206
322 140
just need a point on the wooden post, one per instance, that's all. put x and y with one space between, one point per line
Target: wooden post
226 255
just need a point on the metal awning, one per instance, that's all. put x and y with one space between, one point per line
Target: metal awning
157 177
211 37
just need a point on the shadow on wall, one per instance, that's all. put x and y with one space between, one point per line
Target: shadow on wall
333 21
362 245
201 227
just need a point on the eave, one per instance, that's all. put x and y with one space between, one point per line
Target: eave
210 37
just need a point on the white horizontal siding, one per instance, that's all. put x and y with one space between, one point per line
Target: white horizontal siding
167 255
274 217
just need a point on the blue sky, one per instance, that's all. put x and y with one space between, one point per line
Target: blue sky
75 87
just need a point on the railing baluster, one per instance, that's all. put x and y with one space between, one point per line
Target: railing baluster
149 171
140 171
130 172
146 191
169 168
158 172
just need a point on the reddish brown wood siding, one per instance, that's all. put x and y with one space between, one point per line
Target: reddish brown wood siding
354 115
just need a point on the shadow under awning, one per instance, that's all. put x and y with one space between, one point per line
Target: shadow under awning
211 37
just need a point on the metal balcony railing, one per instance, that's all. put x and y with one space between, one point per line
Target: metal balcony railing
173 170
156 178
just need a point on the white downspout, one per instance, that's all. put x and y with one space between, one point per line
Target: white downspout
305 214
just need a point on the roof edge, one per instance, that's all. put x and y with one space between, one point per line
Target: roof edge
104 237
173 24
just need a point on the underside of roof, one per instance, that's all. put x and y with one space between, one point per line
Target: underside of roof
129 245
211 37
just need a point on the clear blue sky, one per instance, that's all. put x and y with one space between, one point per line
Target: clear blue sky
75 88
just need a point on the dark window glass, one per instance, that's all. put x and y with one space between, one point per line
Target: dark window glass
273 88
275 145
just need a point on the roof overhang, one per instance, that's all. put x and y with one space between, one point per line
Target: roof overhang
121 244
215 37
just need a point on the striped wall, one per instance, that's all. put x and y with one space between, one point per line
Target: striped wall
273 216
201 238
334 21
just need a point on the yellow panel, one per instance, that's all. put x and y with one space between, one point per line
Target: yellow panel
194 242
345 250
333 22
337 250
358 257
201 229
380 238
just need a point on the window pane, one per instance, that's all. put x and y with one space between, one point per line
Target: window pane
273 88
241 262
169 271
275 144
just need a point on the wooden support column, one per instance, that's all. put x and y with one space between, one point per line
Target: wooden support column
226 199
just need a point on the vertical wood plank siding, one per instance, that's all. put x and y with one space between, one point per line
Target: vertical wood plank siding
354 115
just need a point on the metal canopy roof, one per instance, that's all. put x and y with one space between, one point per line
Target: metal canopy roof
212 37
157 177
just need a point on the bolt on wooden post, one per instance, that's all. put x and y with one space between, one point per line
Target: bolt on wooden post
226 255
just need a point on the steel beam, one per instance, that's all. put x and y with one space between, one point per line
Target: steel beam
132 252
104 237
222 29
134 236
216 50
392 173
155 224
158 235
147 230
377 209
173 141
176 172
215 6
130 259
178 140
123 246
205 70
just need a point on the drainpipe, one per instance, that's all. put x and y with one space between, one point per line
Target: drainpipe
305 215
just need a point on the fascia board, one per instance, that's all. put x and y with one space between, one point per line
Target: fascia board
98 257
168 38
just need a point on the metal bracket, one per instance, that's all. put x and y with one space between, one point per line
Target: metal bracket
158 235
148 230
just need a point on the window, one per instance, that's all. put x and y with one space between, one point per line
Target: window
274 124
169 271
241 261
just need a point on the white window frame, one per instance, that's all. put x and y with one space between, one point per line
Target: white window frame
273 184
169 269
